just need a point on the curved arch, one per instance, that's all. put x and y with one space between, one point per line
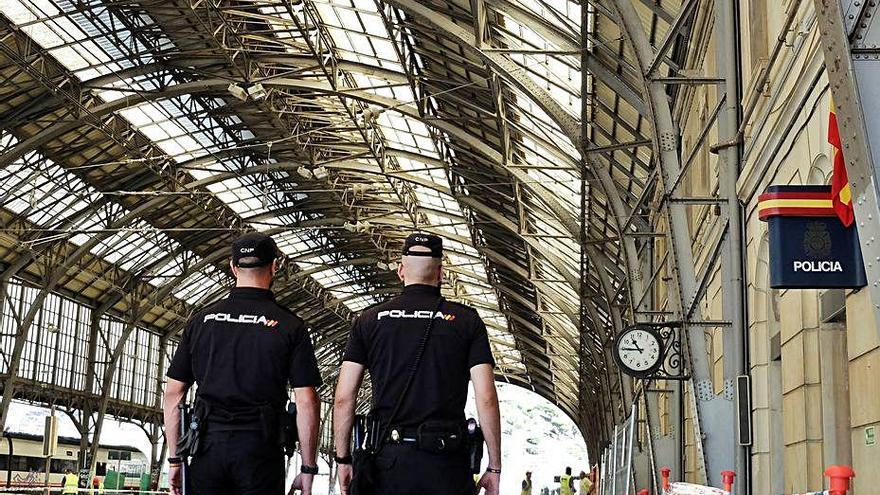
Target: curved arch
59 129
568 124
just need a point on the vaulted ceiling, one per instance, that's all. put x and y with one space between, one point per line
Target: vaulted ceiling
138 138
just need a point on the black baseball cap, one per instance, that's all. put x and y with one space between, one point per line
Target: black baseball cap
254 245
432 242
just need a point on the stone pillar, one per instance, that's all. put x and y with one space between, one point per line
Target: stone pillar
863 349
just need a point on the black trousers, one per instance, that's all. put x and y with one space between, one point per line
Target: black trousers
405 470
237 463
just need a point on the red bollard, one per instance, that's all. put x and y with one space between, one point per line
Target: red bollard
664 473
727 478
838 479
644 491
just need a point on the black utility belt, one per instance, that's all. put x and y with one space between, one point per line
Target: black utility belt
441 437
276 423
432 436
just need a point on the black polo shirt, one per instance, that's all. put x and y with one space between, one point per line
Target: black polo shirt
385 338
245 350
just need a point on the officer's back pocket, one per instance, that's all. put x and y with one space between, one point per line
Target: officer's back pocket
440 437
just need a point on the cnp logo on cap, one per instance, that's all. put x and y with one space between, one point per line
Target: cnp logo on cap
253 250
433 243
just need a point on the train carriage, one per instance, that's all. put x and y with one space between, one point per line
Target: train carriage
26 466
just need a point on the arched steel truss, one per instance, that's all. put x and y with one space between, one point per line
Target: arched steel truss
539 138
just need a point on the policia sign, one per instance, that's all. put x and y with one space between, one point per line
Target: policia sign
810 248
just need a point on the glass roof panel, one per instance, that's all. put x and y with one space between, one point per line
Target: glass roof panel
187 127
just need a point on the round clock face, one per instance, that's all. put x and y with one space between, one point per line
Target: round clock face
639 351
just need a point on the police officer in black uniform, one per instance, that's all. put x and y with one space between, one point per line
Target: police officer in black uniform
243 352
384 340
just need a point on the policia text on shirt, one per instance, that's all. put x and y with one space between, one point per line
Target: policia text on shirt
418 404
242 353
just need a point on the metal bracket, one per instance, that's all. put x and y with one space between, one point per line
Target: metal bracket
674 367
704 390
667 141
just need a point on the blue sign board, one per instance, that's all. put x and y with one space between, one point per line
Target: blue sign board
814 252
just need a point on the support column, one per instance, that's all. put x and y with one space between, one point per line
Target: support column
727 51
157 455
834 376
156 469
107 384
83 428
713 416
17 350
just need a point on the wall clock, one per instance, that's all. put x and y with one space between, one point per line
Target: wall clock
639 350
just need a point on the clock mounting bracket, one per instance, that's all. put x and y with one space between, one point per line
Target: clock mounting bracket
673 364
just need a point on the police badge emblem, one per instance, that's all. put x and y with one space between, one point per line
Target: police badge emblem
817 240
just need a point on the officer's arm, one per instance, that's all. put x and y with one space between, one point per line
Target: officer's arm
350 377
483 378
175 391
308 421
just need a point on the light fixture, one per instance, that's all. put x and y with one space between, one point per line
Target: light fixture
382 265
304 172
357 226
372 112
237 91
360 188
52 328
320 173
257 92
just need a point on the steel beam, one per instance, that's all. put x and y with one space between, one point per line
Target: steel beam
852 74
512 72
714 415
685 13
733 258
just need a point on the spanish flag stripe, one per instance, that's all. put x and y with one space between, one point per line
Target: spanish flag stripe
795 212
796 203
841 195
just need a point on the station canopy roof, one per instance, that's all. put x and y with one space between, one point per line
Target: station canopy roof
139 138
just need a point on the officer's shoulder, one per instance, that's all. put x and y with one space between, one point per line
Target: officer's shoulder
464 308
199 315
294 318
374 308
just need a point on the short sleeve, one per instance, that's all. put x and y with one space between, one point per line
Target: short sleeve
303 364
480 352
356 350
181 368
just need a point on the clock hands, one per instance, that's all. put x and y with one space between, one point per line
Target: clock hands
634 344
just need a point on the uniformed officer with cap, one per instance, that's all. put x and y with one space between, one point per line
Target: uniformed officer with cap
385 340
243 352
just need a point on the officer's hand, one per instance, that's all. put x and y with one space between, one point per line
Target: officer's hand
489 482
343 474
302 482
174 479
